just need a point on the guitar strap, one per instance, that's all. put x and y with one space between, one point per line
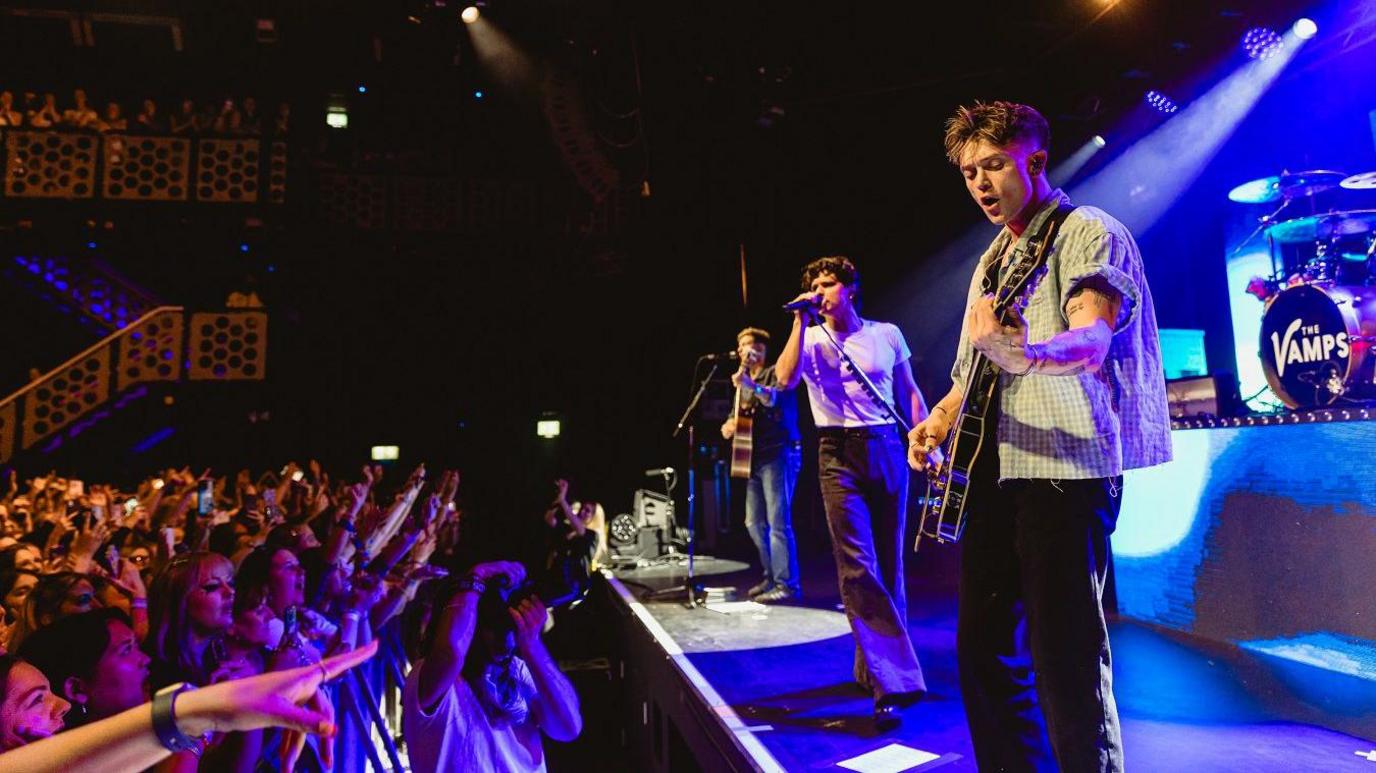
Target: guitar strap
997 270
1037 245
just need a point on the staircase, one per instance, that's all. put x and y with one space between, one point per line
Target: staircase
163 344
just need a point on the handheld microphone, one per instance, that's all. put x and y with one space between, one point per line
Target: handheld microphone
660 471
802 303
722 356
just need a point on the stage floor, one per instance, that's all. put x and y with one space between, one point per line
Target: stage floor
781 677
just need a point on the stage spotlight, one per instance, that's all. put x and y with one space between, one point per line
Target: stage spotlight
470 14
547 428
362 89
1305 29
1262 43
478 94
1161 102
1063 171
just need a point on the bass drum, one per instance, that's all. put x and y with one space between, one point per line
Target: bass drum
1316 344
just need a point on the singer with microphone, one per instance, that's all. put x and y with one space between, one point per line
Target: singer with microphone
774 457
862 467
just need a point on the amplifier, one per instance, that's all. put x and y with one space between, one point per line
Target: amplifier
1214 395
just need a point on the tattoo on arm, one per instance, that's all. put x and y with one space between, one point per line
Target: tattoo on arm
1097 296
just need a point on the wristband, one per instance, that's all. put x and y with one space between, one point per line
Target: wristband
165 720
348 526
138 604
470 583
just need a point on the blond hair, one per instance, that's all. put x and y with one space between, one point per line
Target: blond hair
998 123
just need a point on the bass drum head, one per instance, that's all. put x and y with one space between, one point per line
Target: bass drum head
1312 345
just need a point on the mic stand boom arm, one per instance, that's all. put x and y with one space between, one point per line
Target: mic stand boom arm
865 382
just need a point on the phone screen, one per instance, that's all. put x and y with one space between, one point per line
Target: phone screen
205 498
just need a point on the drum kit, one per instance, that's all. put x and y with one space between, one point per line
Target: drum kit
1319 322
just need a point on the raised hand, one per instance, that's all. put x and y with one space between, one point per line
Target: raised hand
529 618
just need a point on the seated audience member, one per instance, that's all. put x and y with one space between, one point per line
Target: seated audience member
8 115
33 109
191 605
187 121
487 687
79 115
129 742
149 120
281 125
113 120
53 597
250 121
93 661
29 711
227 119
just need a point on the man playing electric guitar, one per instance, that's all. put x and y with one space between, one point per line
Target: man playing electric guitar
1080 398
773 460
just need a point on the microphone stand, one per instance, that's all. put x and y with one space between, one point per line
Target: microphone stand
691 589
864 380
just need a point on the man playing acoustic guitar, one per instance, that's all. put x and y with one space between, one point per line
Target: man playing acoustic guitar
773 459
1080 397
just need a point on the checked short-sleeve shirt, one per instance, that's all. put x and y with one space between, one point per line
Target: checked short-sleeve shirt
1091 425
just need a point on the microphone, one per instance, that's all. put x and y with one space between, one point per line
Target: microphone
722 356
802 303
660 471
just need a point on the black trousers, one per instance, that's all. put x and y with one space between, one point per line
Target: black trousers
1035 666
864 479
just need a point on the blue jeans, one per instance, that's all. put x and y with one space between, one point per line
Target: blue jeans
769 516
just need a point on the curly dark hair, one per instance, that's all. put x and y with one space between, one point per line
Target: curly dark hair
838 266
998 123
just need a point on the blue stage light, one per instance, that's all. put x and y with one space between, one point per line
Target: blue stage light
477 95
1262 43
243 248
362 89
1099 140
1305 29
91 245
1161 102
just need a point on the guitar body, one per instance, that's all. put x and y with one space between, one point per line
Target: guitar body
948 486
741 442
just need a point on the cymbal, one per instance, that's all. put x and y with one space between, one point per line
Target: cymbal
1323 227
1265 190
1365 181
1293 186
1262 191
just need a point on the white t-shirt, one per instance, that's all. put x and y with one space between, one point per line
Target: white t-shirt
836 395
459 736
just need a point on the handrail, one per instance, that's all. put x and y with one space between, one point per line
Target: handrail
90 350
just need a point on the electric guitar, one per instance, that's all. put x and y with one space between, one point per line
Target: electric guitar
948 485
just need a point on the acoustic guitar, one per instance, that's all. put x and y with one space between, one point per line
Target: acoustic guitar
743 440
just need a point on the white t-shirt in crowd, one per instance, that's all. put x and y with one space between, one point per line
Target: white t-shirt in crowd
459 736
836 395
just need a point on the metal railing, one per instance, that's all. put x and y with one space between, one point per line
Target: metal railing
166 344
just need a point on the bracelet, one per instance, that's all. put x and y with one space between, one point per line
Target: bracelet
348 526
470 583
138 604
1034 360
165 720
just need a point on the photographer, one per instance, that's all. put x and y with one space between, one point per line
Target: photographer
487 687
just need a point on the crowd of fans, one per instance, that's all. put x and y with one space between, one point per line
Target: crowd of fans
220 117
110 596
